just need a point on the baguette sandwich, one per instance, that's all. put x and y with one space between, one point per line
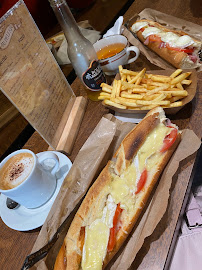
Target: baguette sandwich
176 47
116 199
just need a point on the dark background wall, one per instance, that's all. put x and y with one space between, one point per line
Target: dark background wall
39 9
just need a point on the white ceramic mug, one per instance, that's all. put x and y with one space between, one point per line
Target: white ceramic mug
38 184
110 64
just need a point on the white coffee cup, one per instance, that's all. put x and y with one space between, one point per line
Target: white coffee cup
110 64
24 179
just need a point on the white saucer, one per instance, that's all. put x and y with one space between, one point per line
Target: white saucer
23 219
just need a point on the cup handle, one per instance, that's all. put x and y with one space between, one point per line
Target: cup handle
48 155
133 49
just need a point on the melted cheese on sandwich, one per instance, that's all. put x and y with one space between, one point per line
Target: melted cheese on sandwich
149 153
174 40
121 190
97 237
96 240
150 31
138 25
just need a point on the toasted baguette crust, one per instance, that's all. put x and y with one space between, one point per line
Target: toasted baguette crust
176 58
70 254
133 141
60 262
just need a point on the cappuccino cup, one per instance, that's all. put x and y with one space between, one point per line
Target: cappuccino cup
114 51
25 179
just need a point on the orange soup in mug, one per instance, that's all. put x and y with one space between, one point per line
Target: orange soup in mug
113 51
110 50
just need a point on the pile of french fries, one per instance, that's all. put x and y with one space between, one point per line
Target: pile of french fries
141 91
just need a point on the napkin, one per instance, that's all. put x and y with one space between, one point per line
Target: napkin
116 29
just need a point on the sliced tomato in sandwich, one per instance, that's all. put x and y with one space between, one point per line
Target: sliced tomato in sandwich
142 181
142 29
169 140
114 230
186 50
154 38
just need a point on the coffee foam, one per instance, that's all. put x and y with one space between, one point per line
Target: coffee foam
16 170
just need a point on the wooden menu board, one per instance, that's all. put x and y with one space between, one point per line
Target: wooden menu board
31 78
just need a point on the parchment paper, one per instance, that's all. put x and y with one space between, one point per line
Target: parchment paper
93 156
166 20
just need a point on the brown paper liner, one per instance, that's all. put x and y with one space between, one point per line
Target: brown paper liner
93 156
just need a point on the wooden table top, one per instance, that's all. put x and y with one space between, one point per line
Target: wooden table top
15 246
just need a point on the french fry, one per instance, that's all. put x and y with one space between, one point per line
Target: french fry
123 99
176 73
148 76
120 69
173 99
139 75
113 93
138 81
133 96
150 87
106 89
179 85
118 88
183 93
157 102
106 85
148 98
128 102
130 91
168 95
123 77
174 104
139 90
157 89
187 82
116 100
103 97
145 80
129 72
130 85
114 104
180 78
160 78
160 97
148 107
156 83
105 94
128 77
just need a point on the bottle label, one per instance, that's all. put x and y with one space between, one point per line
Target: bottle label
93 76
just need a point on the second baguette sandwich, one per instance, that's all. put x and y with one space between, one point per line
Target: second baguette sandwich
176 47
114 202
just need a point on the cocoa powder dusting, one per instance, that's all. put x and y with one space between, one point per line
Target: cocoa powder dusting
16 171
